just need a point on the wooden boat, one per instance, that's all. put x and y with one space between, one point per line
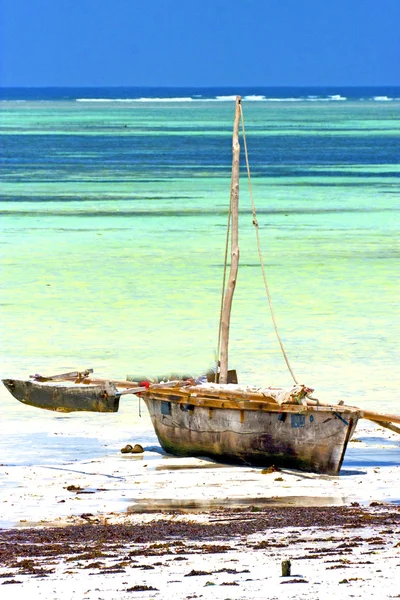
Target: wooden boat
241 424
220 419
248 425
70 392
235 423
64 396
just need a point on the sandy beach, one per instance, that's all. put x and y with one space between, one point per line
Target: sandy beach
351 552
80 519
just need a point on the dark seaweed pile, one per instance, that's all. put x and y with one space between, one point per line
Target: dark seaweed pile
92 540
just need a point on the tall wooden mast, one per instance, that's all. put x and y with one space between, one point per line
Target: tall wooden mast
226 310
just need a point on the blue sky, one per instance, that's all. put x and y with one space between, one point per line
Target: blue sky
199 43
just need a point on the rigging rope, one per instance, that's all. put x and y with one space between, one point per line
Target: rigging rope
255 223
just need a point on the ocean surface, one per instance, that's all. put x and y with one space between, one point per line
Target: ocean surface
113 221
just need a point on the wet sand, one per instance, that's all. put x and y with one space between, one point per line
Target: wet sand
352 551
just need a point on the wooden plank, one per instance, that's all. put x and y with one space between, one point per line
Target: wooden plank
386 425
178 397
366 414
381 417
62 377
134 390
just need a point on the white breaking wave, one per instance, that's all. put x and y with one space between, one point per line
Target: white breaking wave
225 98
188 99
254 98
134 99
382 99
99 100
332 98
231 98
284 99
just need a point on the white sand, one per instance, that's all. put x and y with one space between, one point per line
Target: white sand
354 563
43 454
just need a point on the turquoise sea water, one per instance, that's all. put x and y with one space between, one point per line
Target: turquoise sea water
113 219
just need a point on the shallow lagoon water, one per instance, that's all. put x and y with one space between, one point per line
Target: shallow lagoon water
113 224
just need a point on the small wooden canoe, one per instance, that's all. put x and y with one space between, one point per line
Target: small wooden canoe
65 396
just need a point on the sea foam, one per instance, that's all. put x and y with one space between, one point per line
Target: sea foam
229 98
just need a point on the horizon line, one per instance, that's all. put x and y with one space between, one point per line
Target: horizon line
198 86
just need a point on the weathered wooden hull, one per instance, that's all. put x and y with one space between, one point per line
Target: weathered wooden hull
63 397
292 436
244 427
